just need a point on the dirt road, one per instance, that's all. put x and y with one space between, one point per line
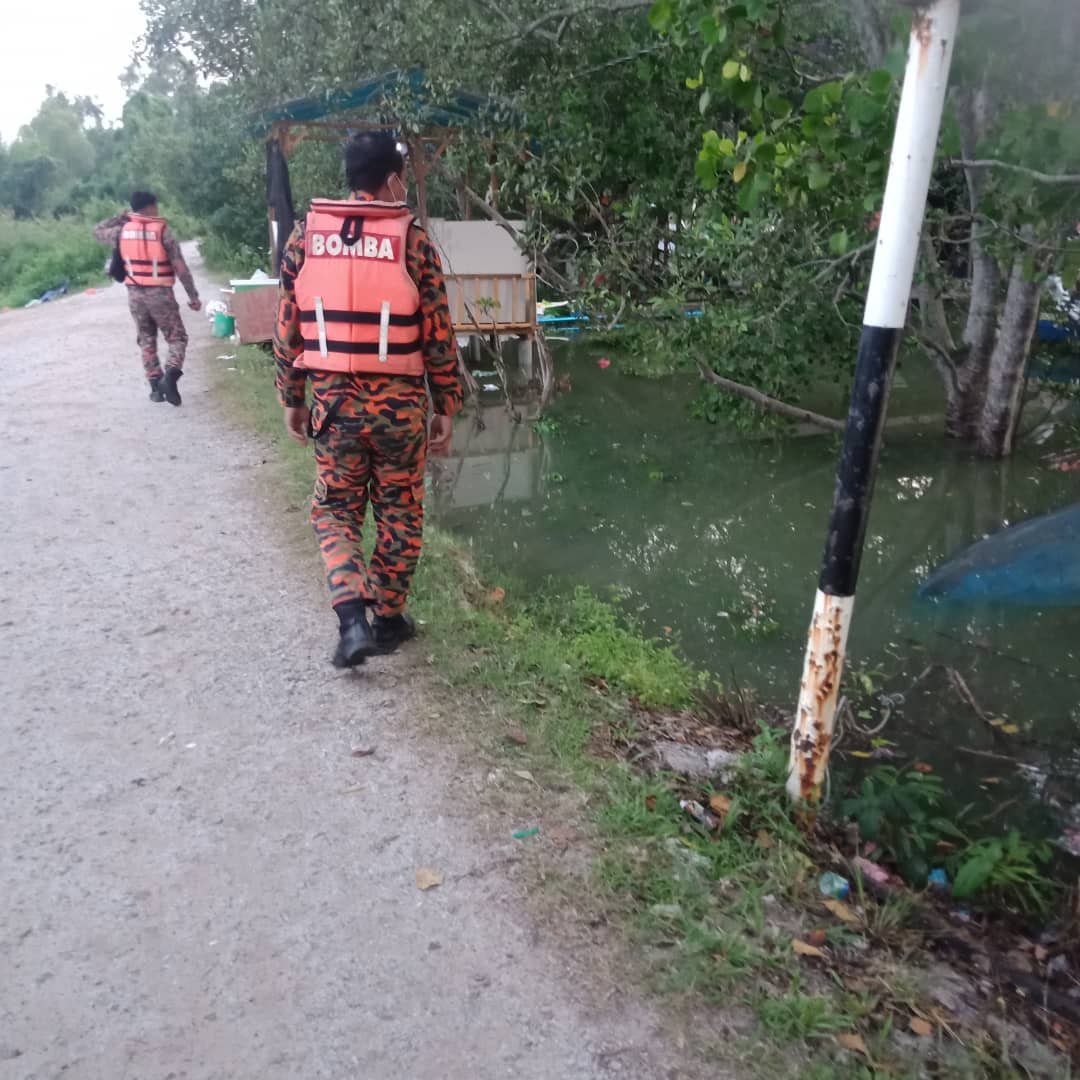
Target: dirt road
197 879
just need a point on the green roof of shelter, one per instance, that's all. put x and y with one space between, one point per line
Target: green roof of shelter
457 111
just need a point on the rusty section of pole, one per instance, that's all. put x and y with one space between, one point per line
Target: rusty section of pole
818 695
918 122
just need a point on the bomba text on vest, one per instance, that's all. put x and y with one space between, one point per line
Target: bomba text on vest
330 244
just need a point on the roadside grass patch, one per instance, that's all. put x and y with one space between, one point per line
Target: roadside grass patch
39 254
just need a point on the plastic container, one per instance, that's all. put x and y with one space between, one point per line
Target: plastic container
834 886
258 280
224 325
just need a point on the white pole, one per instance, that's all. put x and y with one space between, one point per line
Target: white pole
933 32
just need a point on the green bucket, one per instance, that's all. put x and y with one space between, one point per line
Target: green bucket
224 325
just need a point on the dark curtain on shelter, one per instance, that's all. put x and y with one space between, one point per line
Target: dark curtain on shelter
279 196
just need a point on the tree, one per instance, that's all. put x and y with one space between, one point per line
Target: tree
814 143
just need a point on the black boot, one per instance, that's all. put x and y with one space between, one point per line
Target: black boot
354 643
156 393
390 631
169 387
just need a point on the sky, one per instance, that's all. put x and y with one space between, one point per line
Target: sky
77 46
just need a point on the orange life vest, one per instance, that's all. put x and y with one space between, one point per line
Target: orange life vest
359 308
145 258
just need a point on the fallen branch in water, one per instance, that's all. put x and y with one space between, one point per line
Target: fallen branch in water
964 691
770 404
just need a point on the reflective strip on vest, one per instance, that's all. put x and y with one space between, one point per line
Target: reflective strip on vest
384 330
320 317
355 287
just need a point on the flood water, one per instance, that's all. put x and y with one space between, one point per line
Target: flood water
714 542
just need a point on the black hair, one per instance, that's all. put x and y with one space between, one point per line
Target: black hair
370 157
140 200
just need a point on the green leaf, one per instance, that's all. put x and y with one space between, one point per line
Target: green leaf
818 178
863 108
839 242
712 32
660 15
880 81
777 105
705 169
973 875
731 70
816 103
703 101
694 83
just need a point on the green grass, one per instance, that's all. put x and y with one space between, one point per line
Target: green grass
38 255
802 1016
233 260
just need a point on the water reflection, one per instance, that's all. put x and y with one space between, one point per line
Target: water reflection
497 456
721 540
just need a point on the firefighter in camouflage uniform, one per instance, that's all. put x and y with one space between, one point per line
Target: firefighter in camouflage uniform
363 317
152 262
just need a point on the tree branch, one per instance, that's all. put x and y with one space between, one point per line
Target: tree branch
994 163
563 17
834 264
770 404
481 204
942 357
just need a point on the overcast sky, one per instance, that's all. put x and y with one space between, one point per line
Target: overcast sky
79 46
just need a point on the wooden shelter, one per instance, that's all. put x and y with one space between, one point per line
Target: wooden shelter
490 281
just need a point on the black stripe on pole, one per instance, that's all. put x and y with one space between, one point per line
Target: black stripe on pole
878 346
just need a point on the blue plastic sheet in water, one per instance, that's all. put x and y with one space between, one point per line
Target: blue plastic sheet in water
1035 563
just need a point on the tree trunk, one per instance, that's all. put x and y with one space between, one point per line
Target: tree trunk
871 31
1005 384
966 396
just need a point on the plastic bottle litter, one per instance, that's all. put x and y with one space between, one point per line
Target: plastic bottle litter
699 813
524 834
938 879
834 886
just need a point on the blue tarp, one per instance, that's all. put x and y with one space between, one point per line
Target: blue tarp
1035 563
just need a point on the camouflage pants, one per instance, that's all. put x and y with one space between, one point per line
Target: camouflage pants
154 308
370 447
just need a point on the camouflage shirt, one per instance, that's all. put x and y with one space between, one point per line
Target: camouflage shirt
108 232
436 330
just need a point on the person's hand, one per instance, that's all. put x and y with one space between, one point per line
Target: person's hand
297 418
195 304
442 432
